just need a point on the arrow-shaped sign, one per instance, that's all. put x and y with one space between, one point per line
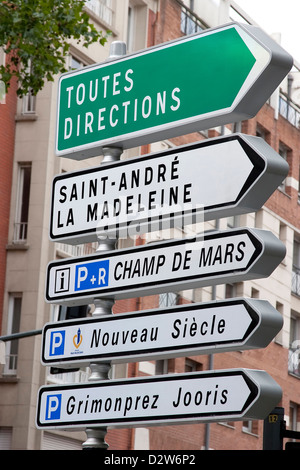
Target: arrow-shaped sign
209 179
191 398
188 330
220 75
213 258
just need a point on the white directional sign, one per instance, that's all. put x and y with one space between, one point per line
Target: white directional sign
212 258
168 90
196 397
205 180
122 103
194 329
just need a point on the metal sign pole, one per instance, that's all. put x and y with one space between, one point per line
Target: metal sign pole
100 371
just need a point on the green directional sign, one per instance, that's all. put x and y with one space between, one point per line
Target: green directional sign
216 76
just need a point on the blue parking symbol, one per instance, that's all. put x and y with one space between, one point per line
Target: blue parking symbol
91 275
57 343
53 407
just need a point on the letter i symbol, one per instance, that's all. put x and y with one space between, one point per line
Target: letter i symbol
62 280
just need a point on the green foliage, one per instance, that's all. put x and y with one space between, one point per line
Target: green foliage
36 34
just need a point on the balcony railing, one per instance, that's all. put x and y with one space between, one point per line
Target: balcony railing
11 363
103 9
289 110
20 232
29 103
296 280
190 23
294 360
77 250
79 376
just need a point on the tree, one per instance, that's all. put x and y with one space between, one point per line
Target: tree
36 34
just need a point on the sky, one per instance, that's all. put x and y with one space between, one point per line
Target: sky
277 16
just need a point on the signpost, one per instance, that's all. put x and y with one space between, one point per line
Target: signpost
214 258
169 188
191 398
123 103
189 330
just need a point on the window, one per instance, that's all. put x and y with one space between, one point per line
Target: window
250 427
296 268
14 317
254 293
289 110
259 219
5 438
29 103
102 8
137 25
192 366
22 208
230 291
294 347
29 100
299 186
263 133
2 84
190 23
74 62
294 417
233 221
168 300
161 367
279 337
130 28
283 152
72 313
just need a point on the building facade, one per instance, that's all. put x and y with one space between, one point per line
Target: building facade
141 24
7 119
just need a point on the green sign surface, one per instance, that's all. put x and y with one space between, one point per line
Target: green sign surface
189 84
